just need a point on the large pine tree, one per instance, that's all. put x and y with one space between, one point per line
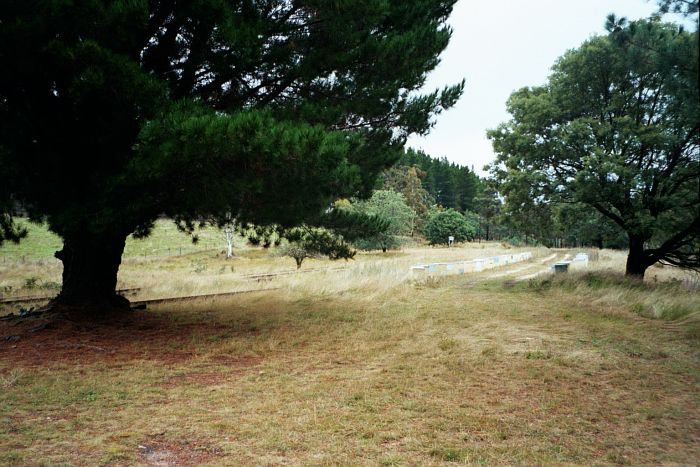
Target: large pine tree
113 113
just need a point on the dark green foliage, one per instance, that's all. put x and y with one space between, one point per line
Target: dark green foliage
263 235
9 230
352 224
451 185
578 225
488 206
302 162
616 128
341 225
443 224
334 229
328 237
525 213
113 113
310 242
683 7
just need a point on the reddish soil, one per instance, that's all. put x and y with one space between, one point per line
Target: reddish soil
142 336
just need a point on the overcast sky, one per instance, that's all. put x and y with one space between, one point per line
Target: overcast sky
499 47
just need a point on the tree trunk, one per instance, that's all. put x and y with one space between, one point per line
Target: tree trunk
637 260
228 238
90 266
599 242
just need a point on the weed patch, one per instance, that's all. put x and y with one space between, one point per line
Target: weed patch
537 355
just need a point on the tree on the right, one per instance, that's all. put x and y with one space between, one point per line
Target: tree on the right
617 128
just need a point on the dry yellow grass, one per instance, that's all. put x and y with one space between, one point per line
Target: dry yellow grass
364 366
208 271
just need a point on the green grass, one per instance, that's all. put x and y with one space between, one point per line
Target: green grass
166 240
39 244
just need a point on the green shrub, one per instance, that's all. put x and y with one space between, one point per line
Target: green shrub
443 224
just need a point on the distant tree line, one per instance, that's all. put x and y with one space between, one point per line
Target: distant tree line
451 185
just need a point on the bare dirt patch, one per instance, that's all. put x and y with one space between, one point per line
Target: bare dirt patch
145 336
161 453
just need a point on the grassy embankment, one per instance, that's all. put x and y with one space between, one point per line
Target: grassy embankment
363 366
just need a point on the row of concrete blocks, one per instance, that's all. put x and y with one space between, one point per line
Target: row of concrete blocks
580 260
474 265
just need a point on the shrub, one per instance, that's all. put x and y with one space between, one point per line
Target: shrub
443 224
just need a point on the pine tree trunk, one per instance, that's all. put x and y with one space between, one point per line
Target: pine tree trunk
90 266
637 260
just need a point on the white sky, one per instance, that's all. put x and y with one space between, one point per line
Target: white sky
502 46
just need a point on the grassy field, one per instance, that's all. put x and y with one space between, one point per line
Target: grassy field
166 240
156 266
361 365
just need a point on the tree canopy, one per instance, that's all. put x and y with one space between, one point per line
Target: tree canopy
616 128
117 112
